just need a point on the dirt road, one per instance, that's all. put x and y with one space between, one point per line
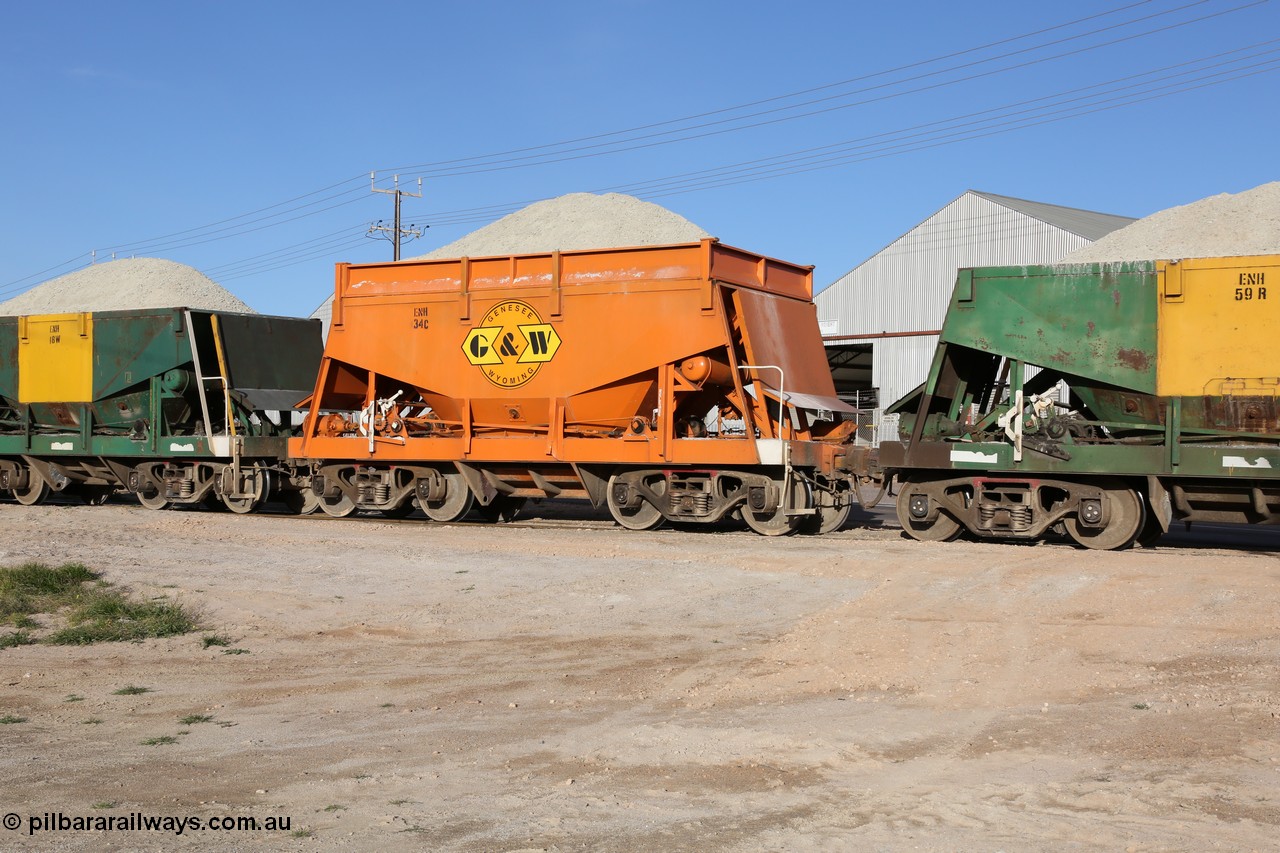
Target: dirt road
571 686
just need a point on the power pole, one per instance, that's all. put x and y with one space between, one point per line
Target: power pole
395 232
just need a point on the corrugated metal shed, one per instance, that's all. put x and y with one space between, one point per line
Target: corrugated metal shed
324 313
897 297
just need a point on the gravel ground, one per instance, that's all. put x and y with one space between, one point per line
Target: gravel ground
565 685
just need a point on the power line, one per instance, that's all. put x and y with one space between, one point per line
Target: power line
238 225
1002 119
317 202
342 235
960 121
623 146
789 95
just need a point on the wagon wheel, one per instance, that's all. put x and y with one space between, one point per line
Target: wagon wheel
1128 515
646 516
829 517
456 503
156 500
339 507
35 492
780 522
258 493
940 528
300 501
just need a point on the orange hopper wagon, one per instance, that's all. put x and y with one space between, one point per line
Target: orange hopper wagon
681 382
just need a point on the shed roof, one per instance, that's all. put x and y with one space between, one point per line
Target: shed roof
1088 224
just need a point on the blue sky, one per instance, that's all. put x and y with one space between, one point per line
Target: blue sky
237 137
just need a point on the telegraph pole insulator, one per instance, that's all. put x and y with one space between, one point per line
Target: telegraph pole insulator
395 232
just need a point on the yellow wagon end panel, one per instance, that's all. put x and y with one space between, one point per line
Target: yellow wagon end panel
1217 326
55 358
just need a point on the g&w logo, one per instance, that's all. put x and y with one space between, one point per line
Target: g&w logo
511 344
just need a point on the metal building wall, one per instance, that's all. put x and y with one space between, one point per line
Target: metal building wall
898 365
907 286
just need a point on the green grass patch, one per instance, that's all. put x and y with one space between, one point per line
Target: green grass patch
110 617
92 610
214 640
236 651
36 588
163 740
13 639
130 690
10 719
193 719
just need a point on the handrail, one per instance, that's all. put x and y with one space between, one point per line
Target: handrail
782 423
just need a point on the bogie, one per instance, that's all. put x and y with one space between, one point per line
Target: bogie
1102 514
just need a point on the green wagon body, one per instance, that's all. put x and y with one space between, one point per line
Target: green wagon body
137 401
1171 411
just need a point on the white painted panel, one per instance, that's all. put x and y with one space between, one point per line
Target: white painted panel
770 450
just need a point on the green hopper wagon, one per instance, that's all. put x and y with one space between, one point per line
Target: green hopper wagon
1103 401
177 406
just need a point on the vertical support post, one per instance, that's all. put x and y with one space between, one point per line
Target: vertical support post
708 284
666 409
340 274
153 413
236 444
86 427
466 426
1015 393
555 433
371 397
464 293
312 419
556 295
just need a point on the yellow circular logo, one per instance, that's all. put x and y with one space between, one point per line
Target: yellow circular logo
511 344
